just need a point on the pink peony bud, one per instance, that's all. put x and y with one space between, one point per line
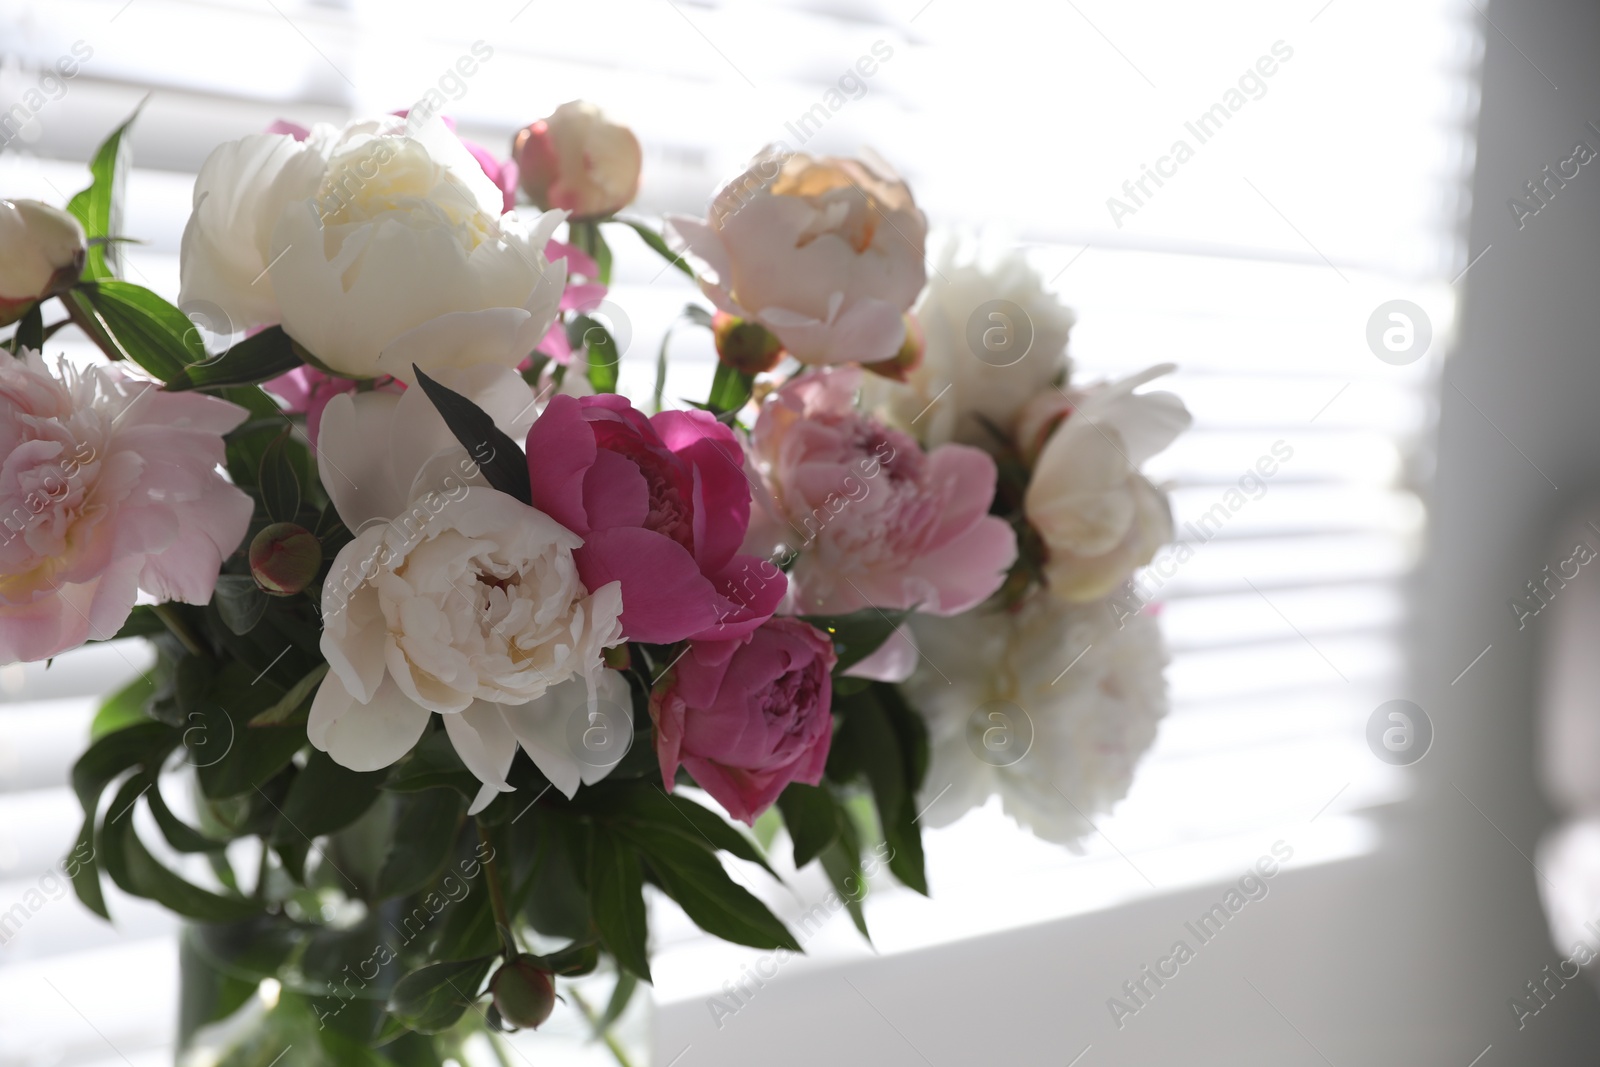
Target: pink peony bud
577 160
747 347
42 250
524 993
284 558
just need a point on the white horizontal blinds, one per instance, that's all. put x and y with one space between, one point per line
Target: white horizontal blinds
1254 265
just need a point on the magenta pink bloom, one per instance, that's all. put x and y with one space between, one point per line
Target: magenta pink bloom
108 486
579 295
662 505
876 521
748 717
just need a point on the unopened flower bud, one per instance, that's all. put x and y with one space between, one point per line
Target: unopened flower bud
747 347
284 558
524 993
899 366
42 250
577 160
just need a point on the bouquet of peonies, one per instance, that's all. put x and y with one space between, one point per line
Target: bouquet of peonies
448 633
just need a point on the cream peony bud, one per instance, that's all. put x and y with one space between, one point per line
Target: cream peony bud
1100 519
747 347
284 558
41 253
578 160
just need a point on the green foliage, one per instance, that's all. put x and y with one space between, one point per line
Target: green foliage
99 207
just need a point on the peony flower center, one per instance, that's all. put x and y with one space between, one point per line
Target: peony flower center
395 177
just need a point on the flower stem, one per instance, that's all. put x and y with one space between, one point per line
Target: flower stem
612 1043
497 896
179 628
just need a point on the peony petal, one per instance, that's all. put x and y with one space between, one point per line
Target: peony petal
485 743
365 737
560 449
665 598
615 493
353 458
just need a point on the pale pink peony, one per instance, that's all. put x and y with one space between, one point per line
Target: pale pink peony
825 253
876 521
109 486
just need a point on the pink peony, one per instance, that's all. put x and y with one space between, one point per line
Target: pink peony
662 505
108 486
577 296
876 521
748 717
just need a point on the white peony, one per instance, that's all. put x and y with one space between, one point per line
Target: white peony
1100 519
1003 718
375 247
995 339
453 598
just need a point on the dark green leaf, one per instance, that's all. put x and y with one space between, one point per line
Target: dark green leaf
137 872
240 602
621 994
578 958
255 359
659 245
842 863
553 898
812 818
293 700
432 998
99 207
869 742
616 899
231 756
179 834
857 635
325 797
30 331
279 485
692 875
431 765
497 455
429 822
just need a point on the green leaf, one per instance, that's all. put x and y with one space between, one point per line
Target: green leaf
692 875
232 757
812 818
179 834
240 602
730 390
255 359
659 245
646 805
145 743
429 822
279 485
432 998
431 765
99 207
283 711
691 313
553 898
30 331
841 861
124 708
621 994
136 872
578 958
325 797
139 326
497 455
616 899
857 635
601 356
869 742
